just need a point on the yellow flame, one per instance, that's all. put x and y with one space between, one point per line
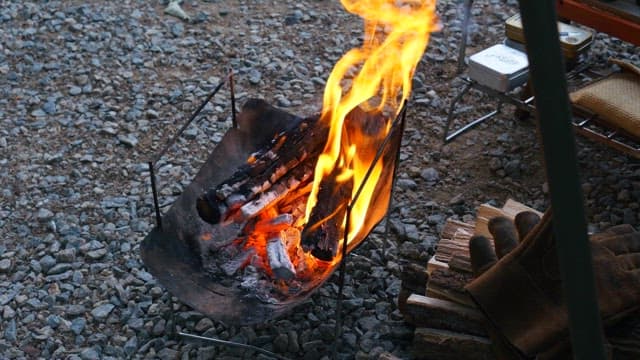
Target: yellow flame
396 35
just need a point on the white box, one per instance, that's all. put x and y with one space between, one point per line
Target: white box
499 67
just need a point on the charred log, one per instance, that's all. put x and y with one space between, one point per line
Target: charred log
324 229
246 189
276 192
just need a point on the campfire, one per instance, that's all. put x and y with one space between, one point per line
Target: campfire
282 199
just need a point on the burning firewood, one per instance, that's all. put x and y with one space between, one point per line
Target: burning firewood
247 190
324 230
325 227
277 191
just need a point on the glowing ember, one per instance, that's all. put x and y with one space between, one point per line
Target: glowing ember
376 78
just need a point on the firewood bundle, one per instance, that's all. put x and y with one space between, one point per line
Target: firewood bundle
448 324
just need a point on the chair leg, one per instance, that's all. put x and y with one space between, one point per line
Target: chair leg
464 90
470 125
465 33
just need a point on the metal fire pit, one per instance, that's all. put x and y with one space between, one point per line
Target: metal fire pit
172 250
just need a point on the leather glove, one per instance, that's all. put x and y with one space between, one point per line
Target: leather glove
519 289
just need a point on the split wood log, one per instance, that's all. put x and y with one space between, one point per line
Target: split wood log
449 324
449 285
322 234
425 311
264 169
414 280
429 343
276 192
461 263
324 230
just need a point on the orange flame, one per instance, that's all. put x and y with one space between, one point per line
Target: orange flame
396 36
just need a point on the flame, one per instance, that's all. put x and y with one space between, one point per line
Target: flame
396 36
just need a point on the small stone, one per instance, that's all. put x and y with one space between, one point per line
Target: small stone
152 114
66 255
406 184
10 332
89 354
44 214
54 321
203 325
351 339
8 312
281 343
353 304
49 107
368 323
167 354
294 346
102 311
47 262
255 76
495 164
177 29
512 168
38 113
59 268
129 140
5 265
78 325
430 174
131 346
283 101
158 327
97 254
75 90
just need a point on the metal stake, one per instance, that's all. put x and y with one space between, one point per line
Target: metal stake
154 190
233 100
152 163
387 225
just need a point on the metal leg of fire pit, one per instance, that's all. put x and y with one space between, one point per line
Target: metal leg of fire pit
152 163
387 225
234 123
401 118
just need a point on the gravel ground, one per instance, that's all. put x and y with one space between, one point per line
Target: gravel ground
91 89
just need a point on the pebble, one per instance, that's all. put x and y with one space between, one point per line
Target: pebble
281 343
102 311
44 215
430 174
75 90
78 325
90 354
10 331
47 262
5 265
66 255
130 140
